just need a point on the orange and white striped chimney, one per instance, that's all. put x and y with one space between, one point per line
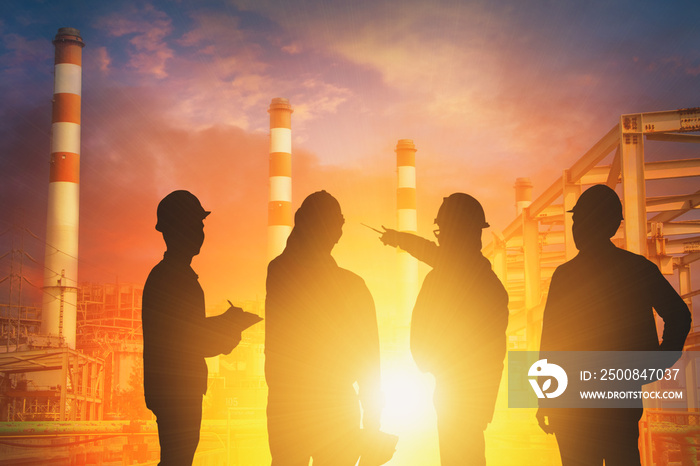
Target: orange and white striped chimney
280 217
61 261
523 194
407 221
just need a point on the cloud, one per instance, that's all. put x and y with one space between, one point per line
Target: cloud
20 50
132 156
316 98
147 29
489 70
488 93
209 81
463 70
211 28
673 65
103 59
292 49
224 74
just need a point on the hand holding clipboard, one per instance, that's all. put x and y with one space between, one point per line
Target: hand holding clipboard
239 319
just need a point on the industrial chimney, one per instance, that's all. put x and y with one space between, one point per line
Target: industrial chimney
280 218
523 194
61 260
407 221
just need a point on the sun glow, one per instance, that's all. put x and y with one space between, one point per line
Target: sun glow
512 437
408 397
409 413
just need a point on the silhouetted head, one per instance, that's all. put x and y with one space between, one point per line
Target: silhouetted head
597 216
318 223
461 219
180 219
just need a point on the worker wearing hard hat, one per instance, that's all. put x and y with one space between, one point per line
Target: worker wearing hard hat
604 300
177 335
458 327
321 339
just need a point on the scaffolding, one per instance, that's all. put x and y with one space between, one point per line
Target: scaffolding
526 253
52 384
109 327
17 321
42 380
109 316
661 227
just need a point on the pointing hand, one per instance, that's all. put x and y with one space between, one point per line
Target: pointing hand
390 237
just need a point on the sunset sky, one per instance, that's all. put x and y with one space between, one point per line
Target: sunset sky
175 96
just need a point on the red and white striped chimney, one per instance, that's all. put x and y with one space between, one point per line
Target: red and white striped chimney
280 216
61 260
407 221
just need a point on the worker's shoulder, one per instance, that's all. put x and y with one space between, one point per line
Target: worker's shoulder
157 274
170 279
569 265
626 263
632 258
276 261
568 271
283 267
615 258
350 277
166 270
284 263
640 269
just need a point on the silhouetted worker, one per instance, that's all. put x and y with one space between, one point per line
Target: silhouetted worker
177 335
458 328
320 338
603 300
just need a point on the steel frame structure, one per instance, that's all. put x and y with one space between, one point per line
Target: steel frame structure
77 395
109 327
526 253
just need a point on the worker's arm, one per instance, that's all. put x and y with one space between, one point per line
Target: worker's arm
218 335
672 309
422 249
179 319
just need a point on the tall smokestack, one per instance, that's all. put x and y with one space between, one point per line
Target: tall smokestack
407 221
61 260
279 218
523 194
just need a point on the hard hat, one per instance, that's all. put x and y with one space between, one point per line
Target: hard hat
599 201
317 209
178 208
461 208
